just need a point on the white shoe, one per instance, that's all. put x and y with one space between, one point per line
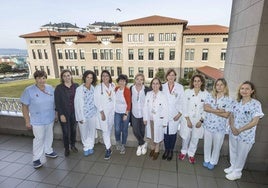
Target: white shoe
228 170
144 149
233 176
118 146
138 152
122 150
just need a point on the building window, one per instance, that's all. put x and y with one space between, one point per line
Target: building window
96 70
172 54
151 36
206 39
161 37
140 70
48 71
83 69
112 71
135 37
94 54
42 68
34 56
82 54
151 54
224 39
223 54
161 54
140 54
173 37
118 54
167 36
35 68
129 36
45 53
68 39
119 70
70 54
75 54
39 52
130 54
61 68
204 54
106 54
59 54
131 72
189 54
141 37
150 72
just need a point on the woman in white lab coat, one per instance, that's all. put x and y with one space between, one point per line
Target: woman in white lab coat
174 92
104 97
193 111
155 116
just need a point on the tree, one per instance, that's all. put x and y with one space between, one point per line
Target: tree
5 67
160 74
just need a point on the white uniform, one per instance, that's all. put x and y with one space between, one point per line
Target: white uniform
105 101
156 110
193 107
175 100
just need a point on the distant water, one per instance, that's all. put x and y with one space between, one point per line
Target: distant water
13 51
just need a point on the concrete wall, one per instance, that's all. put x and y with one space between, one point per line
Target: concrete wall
247 59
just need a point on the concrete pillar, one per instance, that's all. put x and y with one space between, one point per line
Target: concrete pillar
247 59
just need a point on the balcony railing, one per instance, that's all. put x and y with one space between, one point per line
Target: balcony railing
10 106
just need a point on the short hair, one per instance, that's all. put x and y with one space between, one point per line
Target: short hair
253 94
39 74
62 73
137 75
202 80
156 78
226 89
107 72
122 77
170 71
86 73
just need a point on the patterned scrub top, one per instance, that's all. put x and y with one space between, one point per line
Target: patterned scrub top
212 122
90 109
243 114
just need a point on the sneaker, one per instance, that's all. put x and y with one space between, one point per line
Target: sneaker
74 149
37 164
108 153
86 153
233 176
123 150
118 146
90 151
191 160
181 156
211 166
205 164
144 149
52 155
228 170
138 152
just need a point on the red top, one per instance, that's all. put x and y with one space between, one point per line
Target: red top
127 96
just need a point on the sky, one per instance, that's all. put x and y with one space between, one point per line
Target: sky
27 16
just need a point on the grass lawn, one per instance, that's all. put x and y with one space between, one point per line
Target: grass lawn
14 89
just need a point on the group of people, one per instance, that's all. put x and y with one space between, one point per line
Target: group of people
157 112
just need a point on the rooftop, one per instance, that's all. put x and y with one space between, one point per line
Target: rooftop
211 72
205 29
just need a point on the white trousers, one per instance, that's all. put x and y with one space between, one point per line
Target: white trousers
212 146
106 135
238 154
42 142
88 132
189 145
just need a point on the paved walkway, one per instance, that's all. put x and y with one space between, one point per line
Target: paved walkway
124 171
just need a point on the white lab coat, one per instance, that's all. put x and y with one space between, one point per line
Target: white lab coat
193 107
157 113
175 100
105 101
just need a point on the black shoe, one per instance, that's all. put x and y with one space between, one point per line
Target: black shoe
67 152
165 155
74 149
170 156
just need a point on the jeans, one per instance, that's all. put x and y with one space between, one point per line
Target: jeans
138 129
69 131
121 128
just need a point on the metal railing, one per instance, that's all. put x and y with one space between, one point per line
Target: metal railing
10 106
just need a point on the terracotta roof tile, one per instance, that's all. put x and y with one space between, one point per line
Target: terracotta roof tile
153 20
205 29
40 34
211 72
89 38
117 40
70 33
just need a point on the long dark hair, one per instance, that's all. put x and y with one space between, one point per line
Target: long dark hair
107 72
202 80
62 73
86 73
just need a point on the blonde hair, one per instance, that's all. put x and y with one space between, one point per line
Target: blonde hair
253 94
137 75
226 89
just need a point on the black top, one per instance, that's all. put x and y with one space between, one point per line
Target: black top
64 99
